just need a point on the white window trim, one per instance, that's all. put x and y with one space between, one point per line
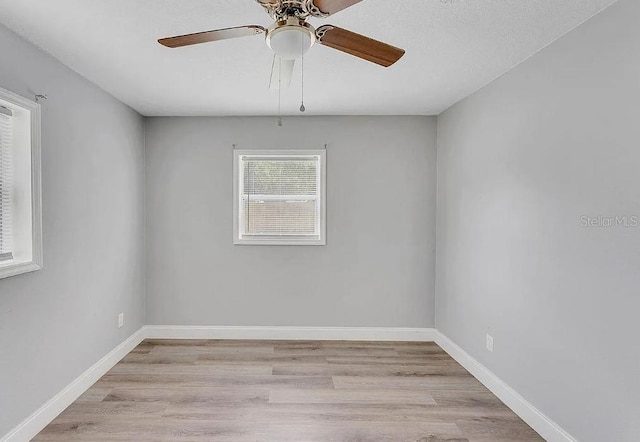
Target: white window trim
323 198
36 262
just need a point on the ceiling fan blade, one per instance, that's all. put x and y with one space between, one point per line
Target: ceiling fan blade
359 45
333 6
281 73
205 37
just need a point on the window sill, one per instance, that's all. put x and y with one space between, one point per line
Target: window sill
13 269
279 242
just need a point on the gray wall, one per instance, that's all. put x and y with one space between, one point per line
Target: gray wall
56 323
519 164
378 266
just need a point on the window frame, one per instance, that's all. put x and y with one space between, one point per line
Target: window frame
17 266
283 241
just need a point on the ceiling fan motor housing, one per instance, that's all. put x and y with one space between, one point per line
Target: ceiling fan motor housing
291 38
280 9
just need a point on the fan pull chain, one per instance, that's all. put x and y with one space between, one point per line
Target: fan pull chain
280 92
302 108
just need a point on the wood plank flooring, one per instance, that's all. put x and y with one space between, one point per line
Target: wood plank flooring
259 391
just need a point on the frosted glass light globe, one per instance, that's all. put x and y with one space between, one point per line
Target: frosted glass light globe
291 42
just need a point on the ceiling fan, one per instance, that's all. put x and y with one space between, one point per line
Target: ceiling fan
290 37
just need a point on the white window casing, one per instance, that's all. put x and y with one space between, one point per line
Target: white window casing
20 193
279 197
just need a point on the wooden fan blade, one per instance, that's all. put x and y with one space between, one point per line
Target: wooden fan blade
333 6
205 37
359 45
281 73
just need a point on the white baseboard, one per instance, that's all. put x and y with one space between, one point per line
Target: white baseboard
291 333
547 428
31 426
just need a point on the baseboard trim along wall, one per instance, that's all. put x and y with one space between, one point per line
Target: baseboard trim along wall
537 420
31 426
291 333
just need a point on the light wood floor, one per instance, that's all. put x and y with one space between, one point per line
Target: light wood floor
288 391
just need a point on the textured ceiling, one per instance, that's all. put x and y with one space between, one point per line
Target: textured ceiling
454 47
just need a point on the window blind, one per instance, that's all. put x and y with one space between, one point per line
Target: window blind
6 188
280 196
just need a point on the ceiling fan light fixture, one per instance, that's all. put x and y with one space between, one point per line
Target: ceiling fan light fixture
291 39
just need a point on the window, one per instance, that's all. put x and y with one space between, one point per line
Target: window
279 197
20 218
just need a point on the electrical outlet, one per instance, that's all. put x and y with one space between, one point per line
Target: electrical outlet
120 320
489 342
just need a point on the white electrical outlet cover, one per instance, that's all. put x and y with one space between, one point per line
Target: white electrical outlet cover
489 342
120 320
